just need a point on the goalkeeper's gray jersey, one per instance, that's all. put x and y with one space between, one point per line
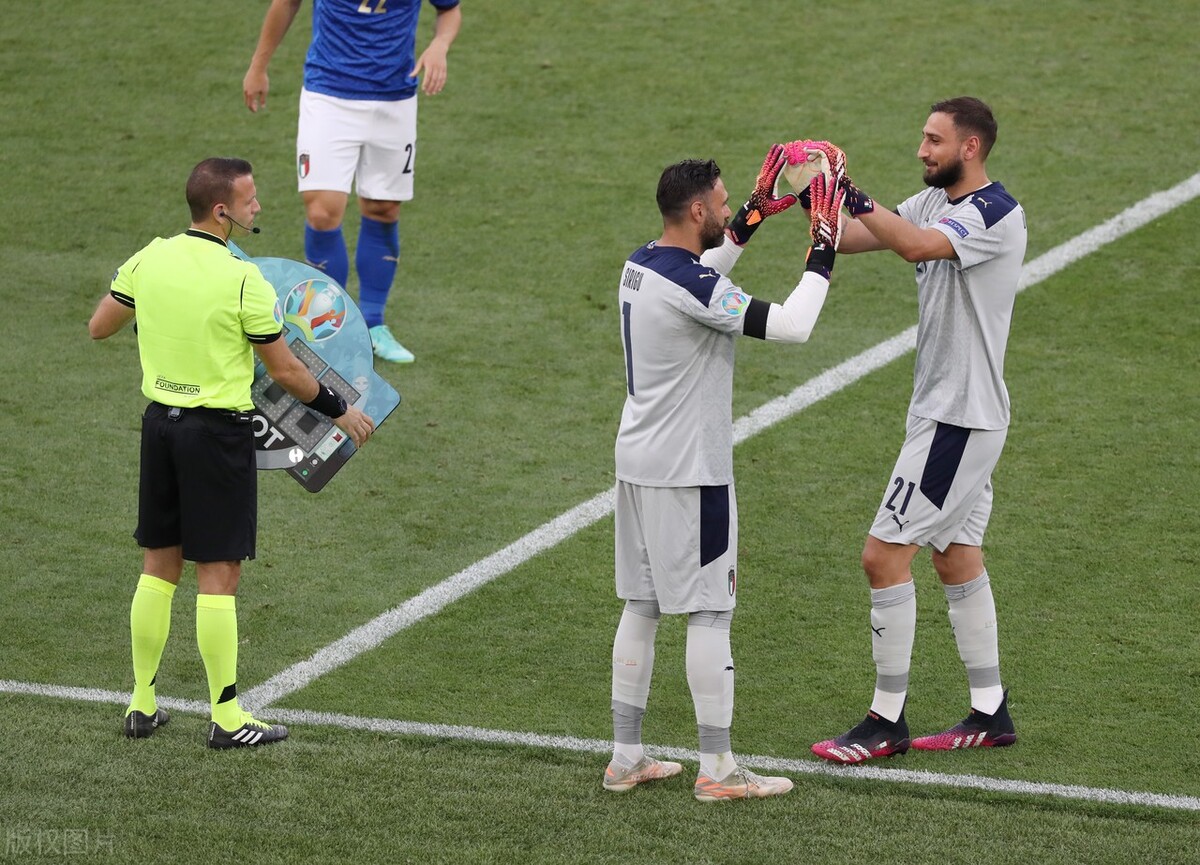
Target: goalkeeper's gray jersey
965 305
678 322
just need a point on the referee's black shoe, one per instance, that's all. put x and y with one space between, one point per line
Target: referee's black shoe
252 732
139 725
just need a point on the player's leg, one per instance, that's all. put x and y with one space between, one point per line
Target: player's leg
972 612
633 651
893 622
384 179
693 538
324 242
162 563
904 521
377 255
328 144
219 488
884 730
971 605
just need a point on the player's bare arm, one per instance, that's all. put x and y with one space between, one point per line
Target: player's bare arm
891 231
110 316
432 61
905 239
856 237
256 84
290 373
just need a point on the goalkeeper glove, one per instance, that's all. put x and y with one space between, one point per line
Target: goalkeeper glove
762 201
857 201
825 225
806 159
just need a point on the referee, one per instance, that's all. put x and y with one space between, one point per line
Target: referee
200 310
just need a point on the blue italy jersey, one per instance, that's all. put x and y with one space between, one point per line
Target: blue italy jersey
364 49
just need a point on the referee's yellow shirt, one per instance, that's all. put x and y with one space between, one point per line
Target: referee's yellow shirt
198 309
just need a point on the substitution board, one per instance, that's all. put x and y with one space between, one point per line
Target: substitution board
326 330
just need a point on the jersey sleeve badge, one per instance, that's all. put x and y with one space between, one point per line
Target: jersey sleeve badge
734 302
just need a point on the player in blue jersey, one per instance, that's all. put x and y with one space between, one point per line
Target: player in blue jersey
966 234
358 125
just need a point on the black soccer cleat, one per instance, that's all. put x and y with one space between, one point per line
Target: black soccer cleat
977 730
139 725
874 736
252 732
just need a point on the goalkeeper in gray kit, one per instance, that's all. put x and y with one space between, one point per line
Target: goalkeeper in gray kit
966 235
676 511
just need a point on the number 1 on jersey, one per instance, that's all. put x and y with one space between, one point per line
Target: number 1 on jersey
626 311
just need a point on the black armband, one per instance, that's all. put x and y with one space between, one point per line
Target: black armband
756 318
744 223
820 259
327 402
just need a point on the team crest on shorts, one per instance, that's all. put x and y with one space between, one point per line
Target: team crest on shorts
732 582
302 165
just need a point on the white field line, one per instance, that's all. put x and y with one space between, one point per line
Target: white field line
604 747
432 600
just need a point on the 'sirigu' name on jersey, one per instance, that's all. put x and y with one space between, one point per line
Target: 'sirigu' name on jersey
632 279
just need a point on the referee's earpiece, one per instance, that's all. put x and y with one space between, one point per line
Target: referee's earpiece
223 215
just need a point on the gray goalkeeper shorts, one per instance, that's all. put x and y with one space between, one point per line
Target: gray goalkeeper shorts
940 491
678 546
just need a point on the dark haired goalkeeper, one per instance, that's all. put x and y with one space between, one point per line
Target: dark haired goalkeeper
966 235
676 511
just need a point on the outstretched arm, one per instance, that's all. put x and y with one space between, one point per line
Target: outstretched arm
892 231
793 320
858 238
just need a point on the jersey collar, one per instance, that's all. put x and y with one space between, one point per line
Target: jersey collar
204 235
967 195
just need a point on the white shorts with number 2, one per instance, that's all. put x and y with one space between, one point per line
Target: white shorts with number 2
370 144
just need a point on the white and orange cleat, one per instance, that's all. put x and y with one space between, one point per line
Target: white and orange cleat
619 778
741 783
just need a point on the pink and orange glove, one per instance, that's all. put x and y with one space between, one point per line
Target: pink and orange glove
763 202
825 223
806 159
826 215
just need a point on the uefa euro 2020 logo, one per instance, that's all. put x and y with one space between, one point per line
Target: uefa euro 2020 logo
317 307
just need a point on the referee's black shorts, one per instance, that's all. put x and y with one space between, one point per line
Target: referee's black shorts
199 484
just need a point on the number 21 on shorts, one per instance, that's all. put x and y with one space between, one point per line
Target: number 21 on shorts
901 486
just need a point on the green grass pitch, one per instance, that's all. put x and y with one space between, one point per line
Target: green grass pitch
535 179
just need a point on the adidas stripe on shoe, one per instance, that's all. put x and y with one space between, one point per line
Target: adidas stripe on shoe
252 732
874 736
977 730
